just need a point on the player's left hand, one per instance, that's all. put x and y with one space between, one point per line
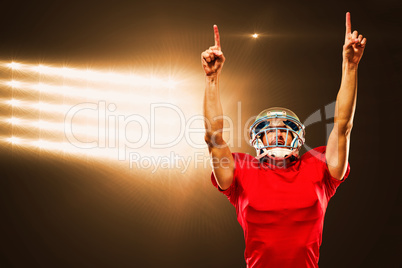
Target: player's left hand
354 44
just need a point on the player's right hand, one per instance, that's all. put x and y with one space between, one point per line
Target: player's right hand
212 59
354 44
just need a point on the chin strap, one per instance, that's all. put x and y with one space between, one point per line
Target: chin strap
281 163
279 153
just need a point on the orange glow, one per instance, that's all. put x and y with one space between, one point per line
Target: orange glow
102 114
92 75
14 140
14 102
14 120
14 65
13 83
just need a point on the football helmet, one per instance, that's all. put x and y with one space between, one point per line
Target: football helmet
277 120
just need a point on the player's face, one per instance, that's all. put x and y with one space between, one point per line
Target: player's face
270 137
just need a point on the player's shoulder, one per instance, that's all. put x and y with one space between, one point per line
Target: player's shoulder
315 154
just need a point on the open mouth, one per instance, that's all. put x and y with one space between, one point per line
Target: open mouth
279 142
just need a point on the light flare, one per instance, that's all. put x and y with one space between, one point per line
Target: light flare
14 65
92 75
13 83
14 120
14 140
113 109
14 102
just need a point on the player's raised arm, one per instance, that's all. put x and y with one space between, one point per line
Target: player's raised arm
337 152
212 61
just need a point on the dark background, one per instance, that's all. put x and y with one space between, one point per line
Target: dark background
88 213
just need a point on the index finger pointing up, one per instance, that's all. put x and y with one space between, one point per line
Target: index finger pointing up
217 38
348 24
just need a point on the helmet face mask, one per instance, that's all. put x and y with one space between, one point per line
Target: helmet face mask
277 121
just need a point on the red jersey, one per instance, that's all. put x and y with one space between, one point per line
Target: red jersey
281 210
